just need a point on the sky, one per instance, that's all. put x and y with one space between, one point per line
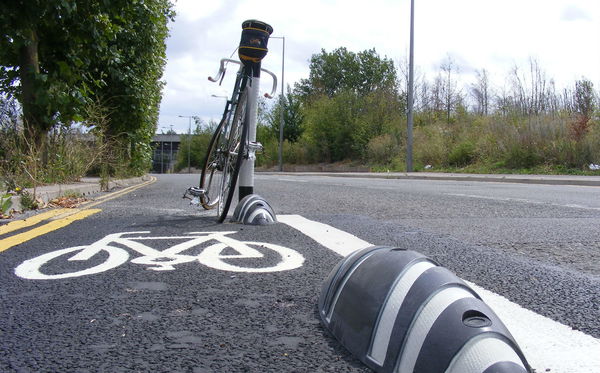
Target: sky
563 36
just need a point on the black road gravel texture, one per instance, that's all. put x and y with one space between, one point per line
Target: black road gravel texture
535 245
199 319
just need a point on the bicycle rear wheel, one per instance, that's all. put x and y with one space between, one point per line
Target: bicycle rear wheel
234 153
211 177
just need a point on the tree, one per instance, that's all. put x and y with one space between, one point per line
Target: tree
45 50
133 89
342 70
480 91
584 106
57 57
292 117
449 92
531 93
348 99
584 98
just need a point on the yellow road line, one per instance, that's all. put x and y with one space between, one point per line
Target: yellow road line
123 191
18 224
119 193
49 227
63 217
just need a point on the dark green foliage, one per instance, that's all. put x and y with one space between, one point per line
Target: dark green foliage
521 157
341 127
342 71
197 148
348 99
292 117
68 54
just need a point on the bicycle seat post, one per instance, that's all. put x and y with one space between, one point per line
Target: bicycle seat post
253 48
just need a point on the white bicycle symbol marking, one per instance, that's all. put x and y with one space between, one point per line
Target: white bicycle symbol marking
214 255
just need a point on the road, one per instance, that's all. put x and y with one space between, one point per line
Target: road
534 246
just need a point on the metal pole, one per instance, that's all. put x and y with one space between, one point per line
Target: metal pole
410 98
189 144
171 152
281 121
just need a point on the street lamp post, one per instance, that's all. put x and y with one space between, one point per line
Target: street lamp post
189 139
410 98
281 103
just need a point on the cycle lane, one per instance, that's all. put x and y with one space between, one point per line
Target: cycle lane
193 318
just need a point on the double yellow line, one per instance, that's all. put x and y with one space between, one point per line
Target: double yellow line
59 218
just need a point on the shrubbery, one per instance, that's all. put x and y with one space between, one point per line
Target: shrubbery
527 126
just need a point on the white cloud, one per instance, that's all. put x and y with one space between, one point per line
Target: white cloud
573 13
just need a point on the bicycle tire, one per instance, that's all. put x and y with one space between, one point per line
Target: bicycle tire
211 176
236 144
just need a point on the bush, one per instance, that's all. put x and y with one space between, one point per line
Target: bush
382 149
300 152
429 146
462 154
521 157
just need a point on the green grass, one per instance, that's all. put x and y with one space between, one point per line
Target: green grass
499 169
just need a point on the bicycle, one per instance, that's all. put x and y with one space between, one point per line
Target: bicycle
234 140
222 255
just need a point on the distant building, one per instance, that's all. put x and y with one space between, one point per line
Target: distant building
165 152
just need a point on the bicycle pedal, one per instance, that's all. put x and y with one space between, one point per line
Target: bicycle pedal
196 192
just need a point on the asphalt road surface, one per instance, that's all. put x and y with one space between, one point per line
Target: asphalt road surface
155 285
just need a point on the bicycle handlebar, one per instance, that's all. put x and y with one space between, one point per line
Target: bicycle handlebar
274 89
222 70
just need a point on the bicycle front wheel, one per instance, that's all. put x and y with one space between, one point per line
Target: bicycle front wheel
236 145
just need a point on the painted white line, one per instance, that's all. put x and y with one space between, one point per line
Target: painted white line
341 242
549 346
522 200
293 180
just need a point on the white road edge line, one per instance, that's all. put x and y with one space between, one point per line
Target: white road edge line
341 242
522 200
549 346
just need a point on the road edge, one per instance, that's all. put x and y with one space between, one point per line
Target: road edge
499 178
86 187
